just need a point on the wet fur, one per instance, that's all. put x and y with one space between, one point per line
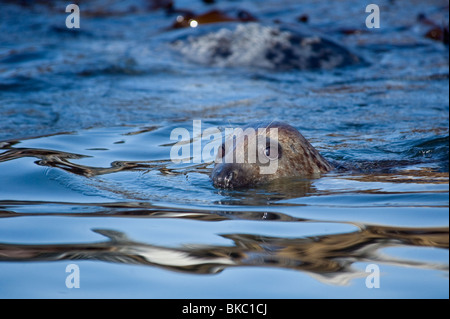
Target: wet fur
298 158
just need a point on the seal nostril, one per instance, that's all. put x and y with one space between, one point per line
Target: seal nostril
229 177
224 176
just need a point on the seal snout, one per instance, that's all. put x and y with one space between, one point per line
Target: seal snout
228 176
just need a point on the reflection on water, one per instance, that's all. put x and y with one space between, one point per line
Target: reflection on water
329 258
145 185
62 161
85 123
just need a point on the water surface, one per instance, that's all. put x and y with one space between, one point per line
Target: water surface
86 176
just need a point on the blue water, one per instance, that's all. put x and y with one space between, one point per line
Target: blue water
86 176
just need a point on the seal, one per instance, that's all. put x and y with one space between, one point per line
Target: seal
262 46
280 149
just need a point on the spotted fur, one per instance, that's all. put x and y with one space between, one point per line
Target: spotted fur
297 158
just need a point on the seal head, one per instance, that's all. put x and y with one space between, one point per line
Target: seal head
263 152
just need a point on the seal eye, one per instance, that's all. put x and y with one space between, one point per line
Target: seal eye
271 153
